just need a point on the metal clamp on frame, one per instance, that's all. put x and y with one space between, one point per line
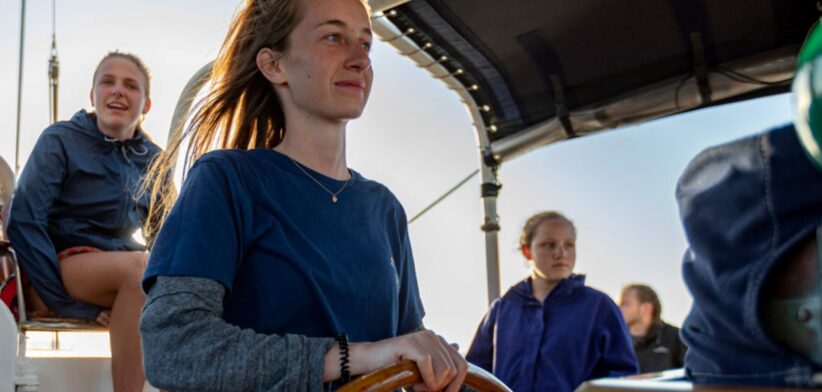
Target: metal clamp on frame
490 189
563 114
701 68
489 159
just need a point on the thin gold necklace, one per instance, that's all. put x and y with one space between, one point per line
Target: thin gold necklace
333 194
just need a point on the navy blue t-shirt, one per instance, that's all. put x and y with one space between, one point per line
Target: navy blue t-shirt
292 261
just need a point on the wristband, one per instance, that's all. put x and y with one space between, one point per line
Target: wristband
345 374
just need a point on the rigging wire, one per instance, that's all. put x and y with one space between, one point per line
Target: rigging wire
678 87
740 77
19 87
445 195
54 67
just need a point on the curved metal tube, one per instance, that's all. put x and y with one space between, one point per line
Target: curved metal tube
408 48
382 5
183 108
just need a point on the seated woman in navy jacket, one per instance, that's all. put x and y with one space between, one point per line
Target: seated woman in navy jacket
77 205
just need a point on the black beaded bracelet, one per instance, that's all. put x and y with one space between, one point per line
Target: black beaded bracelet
345 375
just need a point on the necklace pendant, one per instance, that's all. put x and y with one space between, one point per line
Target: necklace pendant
333 198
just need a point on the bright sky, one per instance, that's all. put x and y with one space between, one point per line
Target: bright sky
415 137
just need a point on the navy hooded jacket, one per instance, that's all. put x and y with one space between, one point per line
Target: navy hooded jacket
744 206
577 334
78 188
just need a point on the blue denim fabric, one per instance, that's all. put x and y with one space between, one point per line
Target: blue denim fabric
743 205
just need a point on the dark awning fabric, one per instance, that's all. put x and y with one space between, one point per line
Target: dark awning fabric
519 52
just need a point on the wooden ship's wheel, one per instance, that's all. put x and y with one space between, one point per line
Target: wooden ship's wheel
405 373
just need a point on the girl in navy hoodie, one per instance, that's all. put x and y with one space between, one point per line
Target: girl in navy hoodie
550 332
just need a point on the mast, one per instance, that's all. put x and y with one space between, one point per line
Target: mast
54 66
19 87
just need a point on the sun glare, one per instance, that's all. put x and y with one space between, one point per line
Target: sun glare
67 345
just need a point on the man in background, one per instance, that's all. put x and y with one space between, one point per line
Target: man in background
656 343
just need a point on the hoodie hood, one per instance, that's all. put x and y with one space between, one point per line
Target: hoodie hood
523 292
576 334
743 206
86 124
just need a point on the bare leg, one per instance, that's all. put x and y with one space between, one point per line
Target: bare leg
112 280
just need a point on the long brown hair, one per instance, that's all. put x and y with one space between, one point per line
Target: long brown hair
241 109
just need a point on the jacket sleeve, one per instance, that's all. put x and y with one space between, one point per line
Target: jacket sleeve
481 352
617 351
187 345
38 188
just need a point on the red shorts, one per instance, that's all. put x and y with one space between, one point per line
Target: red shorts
8 289
76 250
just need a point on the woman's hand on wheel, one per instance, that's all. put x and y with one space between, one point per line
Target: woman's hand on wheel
459 363
441 366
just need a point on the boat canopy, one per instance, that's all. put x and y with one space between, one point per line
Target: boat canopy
541 71
536 72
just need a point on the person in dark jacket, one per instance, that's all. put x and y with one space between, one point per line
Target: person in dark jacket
550 332
752 213
656 343
78 204
751 210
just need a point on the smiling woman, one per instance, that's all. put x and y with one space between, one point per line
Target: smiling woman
311 253
76 206
327 71
120 95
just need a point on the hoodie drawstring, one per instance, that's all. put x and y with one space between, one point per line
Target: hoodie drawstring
141 150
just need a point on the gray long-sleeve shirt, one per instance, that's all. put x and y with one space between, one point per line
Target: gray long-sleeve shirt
187 346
